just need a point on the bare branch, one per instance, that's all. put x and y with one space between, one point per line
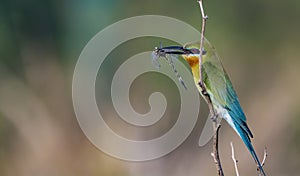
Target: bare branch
265 157
216 151
213 114
262 163
235 161
204 18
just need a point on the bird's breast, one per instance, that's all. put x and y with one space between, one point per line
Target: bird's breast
193 61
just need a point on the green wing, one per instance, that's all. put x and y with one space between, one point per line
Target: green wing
220 89
214 76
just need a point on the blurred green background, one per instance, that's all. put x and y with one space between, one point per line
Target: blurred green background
40 42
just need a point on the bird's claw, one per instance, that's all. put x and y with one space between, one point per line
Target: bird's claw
203 89
204 92
213 117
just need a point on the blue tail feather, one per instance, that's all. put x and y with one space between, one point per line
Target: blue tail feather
240 126
248 144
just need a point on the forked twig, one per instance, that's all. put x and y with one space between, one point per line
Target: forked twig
265 157
235 161
263 162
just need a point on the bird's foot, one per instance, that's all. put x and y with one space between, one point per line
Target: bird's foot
203 89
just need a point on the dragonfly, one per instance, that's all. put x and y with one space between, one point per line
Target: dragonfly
170 53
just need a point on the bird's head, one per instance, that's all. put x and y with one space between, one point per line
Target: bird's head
189 52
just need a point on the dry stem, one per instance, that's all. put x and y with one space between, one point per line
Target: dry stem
234 160
265 157
213 115
204 18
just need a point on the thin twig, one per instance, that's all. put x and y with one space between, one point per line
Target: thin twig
265 157
235 161
262 163
215 153
213 114
204 18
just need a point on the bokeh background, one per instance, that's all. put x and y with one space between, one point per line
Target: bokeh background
40 42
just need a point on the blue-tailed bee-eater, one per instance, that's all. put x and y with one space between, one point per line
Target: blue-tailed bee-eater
218 87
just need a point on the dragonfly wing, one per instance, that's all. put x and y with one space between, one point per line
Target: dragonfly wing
155 56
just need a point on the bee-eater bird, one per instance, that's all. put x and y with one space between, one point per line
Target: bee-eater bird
218 87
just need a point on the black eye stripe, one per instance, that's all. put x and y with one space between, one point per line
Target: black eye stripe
196 51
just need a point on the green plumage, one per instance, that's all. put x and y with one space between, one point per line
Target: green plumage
221 92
